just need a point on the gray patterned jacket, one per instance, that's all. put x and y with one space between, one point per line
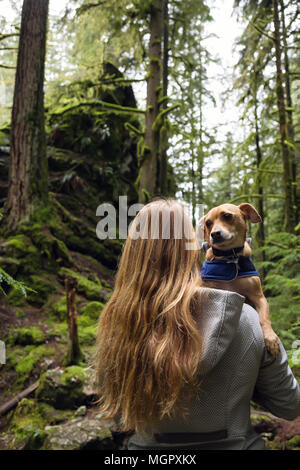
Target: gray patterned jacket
235 369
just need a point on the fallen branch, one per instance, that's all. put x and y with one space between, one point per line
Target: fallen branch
14 401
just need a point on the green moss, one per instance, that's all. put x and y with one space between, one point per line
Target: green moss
87 335
52 415
20 243
71 374
293 443
24 360
43 287
26 365
274 444
26 420
24 336
92 309
89 289
62 388
16 298
61 330
21 247
59 308
13 356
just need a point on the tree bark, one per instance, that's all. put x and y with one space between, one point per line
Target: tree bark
4 409
148 171
290 207
28 171
260 191
165 76
289 111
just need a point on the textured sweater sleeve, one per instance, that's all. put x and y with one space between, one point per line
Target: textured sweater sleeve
276 388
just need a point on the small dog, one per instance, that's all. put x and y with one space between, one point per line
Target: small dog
228 264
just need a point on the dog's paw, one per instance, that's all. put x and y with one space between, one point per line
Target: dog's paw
272 342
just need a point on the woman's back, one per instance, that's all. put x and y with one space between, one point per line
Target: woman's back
235 365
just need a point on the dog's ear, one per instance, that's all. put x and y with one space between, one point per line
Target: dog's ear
201 229
250 213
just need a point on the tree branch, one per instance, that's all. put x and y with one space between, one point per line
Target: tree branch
6 67
4 36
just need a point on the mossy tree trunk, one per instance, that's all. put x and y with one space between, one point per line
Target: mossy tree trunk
148 178
260 191
289 112
28 171
165 80
290 206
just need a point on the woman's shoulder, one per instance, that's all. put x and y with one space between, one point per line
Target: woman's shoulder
250 325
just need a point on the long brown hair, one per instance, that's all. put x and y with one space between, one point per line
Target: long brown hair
148 343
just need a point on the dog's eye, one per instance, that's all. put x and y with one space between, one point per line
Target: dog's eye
227 216
208 223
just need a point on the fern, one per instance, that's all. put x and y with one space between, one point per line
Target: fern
282 283
7 279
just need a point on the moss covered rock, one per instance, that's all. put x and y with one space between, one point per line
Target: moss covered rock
26 365
21 247
92 309
43 289
90 289
79 435
65 388
293 443
26 420
24 336
25 360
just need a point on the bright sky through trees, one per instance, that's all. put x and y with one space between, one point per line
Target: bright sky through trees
224 30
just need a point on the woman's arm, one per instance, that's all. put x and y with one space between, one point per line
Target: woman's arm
276 388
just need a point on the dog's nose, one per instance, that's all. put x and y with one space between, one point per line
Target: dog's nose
216 234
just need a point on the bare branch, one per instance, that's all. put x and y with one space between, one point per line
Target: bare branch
6 67
5 36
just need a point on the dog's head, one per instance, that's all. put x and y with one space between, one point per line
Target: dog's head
226 226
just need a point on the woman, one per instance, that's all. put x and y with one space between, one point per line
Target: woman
176 363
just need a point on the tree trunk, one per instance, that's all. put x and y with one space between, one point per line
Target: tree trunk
148 172
290 207
200 159
28 171
165 76
260 204
74 353
289 112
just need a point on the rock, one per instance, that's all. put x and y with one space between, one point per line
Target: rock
81 411
66 388
78 435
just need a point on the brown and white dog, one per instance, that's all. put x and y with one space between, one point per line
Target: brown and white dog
225 229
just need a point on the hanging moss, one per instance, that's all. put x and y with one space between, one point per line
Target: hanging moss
146 195
159 118
132 128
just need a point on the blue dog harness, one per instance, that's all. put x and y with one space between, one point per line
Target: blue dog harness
228 269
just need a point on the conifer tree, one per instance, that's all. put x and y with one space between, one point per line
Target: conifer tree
28 171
